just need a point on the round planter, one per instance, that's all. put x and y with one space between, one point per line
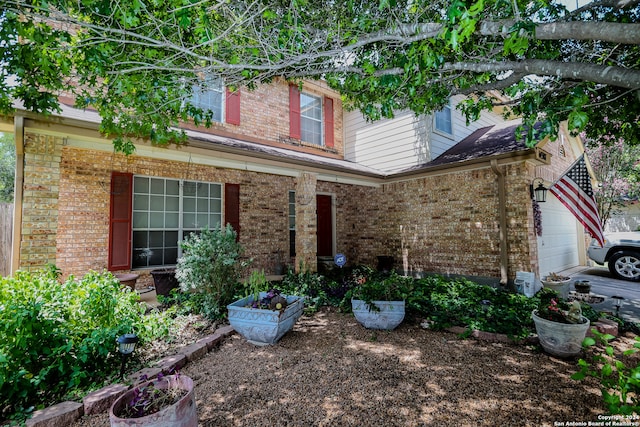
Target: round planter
560 339
183 413
388 315
164 280
127 279
562 288
262 326
582 286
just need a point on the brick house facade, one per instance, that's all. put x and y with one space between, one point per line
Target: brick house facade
444 218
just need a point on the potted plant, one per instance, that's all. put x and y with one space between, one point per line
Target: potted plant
558 283
168 401
378 302
264 317
560 326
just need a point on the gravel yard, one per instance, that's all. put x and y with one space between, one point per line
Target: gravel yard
330 371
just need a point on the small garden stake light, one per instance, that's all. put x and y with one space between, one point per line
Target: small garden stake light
126 345
618 303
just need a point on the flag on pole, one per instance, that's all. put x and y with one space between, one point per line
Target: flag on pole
574 190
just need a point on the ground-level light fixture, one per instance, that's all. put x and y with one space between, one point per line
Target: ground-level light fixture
126 345
538 193
617 301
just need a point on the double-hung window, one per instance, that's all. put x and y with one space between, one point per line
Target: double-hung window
165 211
209 95
443 120
311 118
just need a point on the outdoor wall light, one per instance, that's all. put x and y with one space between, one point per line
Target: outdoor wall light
539 192
126 345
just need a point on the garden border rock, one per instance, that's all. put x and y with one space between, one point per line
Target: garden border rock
64 413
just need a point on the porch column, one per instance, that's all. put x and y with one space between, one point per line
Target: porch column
306 222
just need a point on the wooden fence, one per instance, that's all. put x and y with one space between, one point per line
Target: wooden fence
6 231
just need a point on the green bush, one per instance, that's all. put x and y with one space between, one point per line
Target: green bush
56 337
619 376
210 269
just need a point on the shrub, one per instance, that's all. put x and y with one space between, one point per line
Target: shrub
56 337
210 269
619 375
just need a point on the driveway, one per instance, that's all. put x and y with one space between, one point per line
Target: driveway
602 283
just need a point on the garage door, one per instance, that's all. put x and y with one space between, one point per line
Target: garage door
558 245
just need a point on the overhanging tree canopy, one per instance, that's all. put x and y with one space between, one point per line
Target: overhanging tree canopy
137 61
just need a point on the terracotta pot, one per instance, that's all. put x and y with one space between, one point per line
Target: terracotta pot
127 279
183 413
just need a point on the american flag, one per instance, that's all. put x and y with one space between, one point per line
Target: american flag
574 190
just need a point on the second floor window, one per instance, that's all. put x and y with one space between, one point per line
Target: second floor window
311 118
443 120
209 95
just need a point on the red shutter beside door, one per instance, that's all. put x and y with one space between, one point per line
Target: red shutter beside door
294 112
232 207
328 122
120 221
232 105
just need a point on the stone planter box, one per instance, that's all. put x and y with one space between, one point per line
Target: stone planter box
388 316
263 326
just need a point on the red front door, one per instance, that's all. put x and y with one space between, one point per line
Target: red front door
325 226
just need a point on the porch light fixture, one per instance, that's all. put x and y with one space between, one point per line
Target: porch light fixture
126 345
539 192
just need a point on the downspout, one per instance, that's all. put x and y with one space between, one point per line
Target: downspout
502 210
18 187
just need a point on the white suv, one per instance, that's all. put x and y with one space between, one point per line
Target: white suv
622 253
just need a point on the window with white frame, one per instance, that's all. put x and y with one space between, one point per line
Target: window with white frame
311 118
209 95
167 210
443 120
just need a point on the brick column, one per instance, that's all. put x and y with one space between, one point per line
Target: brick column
42 155
306 222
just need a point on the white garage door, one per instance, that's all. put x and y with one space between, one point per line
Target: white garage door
558 245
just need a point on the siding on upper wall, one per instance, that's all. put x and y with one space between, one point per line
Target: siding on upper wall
406 140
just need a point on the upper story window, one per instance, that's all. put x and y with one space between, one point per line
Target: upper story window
311 118
209 95
443 120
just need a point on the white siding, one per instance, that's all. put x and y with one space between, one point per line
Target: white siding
406 140
558 245
387 144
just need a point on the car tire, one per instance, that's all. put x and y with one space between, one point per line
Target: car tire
625 265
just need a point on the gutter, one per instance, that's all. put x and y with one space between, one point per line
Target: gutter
502 213
18 191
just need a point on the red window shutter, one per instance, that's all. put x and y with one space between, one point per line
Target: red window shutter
294 112
232 207
232 104
120 221
328 122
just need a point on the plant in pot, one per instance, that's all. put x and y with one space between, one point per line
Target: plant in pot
263 317
378 301
558 283
167 401
560 326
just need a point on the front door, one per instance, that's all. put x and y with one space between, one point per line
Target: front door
325 226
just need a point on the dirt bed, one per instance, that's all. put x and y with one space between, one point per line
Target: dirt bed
330 371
